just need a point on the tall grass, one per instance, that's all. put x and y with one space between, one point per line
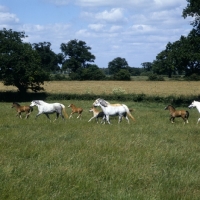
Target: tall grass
73 159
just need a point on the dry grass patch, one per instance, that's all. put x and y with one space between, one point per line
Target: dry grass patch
162 88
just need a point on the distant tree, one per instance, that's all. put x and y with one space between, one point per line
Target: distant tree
135 71
122 75
147 66
182 56
48 58
76 55
117 64
20 65
92 72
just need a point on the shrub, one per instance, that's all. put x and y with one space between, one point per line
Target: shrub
193 77
118 91
155 77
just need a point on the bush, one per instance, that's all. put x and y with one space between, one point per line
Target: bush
155 77
193 77
122 75
118 91
58 77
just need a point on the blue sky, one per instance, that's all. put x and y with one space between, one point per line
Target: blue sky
136 30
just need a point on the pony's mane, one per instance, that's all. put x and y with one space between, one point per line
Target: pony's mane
16 103
171 106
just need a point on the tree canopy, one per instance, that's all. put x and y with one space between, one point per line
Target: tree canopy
20 64
76 54
117 64
193 10
49 60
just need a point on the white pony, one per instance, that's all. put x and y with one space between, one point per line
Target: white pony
113 109
197 105
49 108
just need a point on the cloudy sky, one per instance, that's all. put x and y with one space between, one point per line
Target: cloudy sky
136 30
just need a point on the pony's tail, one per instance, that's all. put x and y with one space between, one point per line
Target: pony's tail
64 111
129 114
187 114
128 111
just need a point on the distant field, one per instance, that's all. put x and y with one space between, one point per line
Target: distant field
162 88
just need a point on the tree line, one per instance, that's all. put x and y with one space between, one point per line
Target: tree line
183 55
27 66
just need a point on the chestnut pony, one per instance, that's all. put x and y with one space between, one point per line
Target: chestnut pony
20 109
184 114
75 110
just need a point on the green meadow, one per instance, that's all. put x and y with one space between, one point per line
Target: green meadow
149 159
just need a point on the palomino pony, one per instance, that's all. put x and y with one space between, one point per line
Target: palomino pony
184 114
197 105
97 114
49 108
113 109
20 109
75 110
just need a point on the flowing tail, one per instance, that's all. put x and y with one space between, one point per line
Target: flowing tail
129 112
64 111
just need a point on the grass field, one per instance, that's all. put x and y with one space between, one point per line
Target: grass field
73 159
162 88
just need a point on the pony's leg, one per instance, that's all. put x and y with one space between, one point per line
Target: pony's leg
57 115
103 121
107 119
20 115
92 118
71 115
47 116
198 120
61 114
172 119
27 114
120 119
79 115
127 119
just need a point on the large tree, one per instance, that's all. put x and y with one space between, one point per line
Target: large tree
76 55
117 64
48 58
20 65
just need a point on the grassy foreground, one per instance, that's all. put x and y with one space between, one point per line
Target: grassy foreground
74 159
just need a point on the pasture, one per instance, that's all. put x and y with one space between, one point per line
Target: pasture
76 159
161 88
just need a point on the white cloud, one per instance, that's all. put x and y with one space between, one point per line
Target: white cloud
115 28
96 27
112 16
6 17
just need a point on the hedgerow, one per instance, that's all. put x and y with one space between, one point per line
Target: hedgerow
175 100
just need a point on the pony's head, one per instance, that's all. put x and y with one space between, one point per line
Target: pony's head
192 105
100 102
34 103
168 107
15 104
